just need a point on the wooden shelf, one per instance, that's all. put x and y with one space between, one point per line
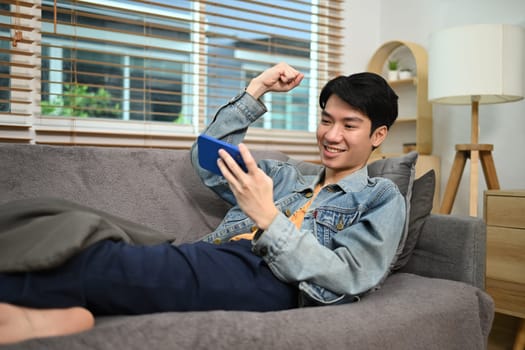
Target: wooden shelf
402 119
418 83
411 81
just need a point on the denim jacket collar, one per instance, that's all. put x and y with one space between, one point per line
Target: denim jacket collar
354 182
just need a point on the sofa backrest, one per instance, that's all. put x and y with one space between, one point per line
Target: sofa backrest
154 187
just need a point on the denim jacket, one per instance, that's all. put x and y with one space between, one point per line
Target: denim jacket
350 232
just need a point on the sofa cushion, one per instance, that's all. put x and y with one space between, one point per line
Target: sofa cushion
409 312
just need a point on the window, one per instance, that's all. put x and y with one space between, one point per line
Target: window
4 59
135 73
159 69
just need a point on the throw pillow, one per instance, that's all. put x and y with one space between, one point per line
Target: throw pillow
400 170
420 207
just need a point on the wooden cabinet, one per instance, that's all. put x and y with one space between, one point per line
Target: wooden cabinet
504 213
414 123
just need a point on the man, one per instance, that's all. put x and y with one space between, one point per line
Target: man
290 239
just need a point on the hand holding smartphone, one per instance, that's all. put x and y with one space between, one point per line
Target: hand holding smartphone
209 153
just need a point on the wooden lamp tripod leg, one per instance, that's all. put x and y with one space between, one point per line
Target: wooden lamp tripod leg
474 156
519 342
489 170
476 153
453 182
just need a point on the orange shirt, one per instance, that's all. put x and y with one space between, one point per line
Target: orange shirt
297 217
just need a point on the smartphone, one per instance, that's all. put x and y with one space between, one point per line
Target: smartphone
209 153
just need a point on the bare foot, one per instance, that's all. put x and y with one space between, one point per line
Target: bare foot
20 323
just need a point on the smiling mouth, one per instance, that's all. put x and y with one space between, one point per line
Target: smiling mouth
332 149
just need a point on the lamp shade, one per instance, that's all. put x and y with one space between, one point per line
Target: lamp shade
483 61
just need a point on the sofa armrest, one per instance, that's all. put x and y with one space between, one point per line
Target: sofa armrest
451 247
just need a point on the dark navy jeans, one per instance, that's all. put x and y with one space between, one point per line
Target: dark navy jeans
111 278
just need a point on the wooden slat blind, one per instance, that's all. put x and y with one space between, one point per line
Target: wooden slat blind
19 62
168 62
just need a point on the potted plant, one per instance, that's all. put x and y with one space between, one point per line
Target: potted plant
405 73
393 72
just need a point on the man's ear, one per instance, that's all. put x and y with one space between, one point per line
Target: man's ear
379 135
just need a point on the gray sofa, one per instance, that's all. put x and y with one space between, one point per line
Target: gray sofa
435 301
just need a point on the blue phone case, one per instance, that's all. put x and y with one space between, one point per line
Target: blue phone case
209 153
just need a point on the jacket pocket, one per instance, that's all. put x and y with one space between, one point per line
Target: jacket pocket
331 221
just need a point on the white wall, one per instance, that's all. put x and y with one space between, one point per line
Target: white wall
370 23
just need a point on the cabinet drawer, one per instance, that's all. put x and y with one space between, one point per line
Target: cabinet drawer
505 254
508 211
509 298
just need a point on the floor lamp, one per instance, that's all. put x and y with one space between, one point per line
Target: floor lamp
476 64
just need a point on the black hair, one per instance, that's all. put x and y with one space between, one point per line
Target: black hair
367 92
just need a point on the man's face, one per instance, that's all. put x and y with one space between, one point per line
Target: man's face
344 139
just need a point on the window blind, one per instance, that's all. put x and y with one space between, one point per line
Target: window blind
18 67
161 68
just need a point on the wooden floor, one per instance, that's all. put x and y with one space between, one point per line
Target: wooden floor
503 332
